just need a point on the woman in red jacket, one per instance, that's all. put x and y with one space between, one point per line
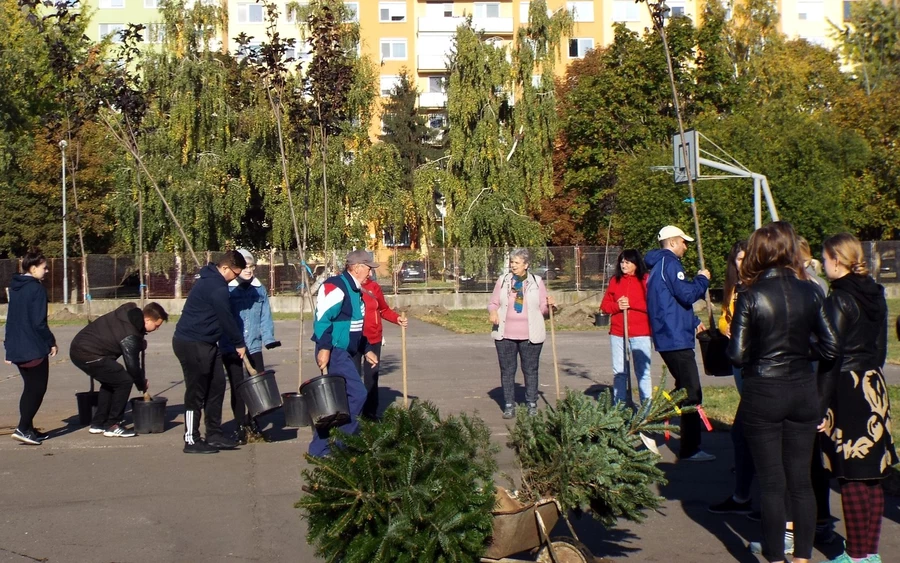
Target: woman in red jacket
376 309
627 295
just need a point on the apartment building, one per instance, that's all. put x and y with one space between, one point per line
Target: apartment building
418 34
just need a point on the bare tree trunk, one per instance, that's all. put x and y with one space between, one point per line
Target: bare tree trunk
85 286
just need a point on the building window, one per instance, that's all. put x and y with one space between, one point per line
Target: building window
438 10
625 11
111 4
536 81
487 9
811 11
436 84
392 12
250 13
352 12
581 11
523 11
290 14
393 49
156 32
579 46
151 4
400 238
111 29
388 82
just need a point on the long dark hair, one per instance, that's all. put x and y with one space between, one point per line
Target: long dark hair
635 258
772 246
732 275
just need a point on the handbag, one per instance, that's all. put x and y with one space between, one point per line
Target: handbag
714 351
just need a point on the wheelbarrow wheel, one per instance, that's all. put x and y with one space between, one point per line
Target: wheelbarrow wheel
567 550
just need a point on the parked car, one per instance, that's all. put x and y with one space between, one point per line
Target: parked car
412 271
545 273
464 278
887 267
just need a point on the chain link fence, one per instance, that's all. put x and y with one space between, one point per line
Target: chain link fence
440 270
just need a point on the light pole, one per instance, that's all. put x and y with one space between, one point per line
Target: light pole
62 146
442 209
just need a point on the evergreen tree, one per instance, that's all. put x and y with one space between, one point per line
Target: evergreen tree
413 487
405 128
588 454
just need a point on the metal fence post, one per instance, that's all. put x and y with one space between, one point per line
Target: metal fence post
178 276
271 271
145 282
456 269
577 268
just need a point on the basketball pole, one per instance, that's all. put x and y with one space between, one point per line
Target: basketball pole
658 13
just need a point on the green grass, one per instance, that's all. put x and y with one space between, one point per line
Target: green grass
475 321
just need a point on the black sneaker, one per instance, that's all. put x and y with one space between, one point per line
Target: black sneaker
27 437
731 506
532 409
240 436
756 516
220 442
200 447
41 435
509 412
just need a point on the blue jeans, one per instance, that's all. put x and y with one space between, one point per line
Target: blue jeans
341 364
640 352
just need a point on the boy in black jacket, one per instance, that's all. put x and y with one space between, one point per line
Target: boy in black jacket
204 319
96 348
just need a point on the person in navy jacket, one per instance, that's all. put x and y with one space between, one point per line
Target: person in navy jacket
206 317
29 342
670 304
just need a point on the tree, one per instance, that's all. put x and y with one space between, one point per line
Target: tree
501 129
413 487
869 42
405 129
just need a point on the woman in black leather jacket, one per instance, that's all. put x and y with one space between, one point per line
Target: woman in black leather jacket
775 319
857 445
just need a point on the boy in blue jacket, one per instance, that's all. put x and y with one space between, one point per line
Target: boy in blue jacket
250 308
205 318
670 305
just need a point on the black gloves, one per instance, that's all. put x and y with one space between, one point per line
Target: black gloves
274 344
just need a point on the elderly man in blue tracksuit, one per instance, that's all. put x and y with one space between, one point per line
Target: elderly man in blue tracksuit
670 305
337 332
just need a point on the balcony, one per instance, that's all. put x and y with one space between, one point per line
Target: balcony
494 25
433 100
449 25
432 63
440 25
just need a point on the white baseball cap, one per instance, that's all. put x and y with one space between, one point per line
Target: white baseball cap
248 256
670 231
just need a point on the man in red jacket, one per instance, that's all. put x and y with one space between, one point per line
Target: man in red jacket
376 308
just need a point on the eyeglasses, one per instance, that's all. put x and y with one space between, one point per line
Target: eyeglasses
237 272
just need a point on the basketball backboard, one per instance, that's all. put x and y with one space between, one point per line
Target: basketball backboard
691 145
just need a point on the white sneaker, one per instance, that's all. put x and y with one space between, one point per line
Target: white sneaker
700 456
116 431
96 430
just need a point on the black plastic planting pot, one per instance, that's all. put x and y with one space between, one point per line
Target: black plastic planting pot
295 413
326 401
149 416
87 406
713 348
601 320
260 393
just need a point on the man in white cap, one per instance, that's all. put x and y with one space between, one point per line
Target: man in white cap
670 305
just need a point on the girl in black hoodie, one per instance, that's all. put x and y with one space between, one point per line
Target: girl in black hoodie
29 342
857 445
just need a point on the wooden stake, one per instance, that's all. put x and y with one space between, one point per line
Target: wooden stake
403 359
553 346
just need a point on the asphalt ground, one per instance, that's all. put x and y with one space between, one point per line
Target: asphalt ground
82 497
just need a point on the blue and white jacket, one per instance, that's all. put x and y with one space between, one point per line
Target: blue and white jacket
670 301
250 307
339 314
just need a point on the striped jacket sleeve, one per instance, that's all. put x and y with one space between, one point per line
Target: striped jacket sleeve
328 307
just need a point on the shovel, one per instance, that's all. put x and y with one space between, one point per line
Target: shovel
147 396
252 371
553 345
403 359
629 362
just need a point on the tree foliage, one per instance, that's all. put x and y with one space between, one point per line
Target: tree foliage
589 455
413 487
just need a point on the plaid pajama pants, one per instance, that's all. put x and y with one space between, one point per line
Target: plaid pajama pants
863 504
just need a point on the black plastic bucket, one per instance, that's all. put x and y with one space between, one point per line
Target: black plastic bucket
295 413
714 350
87 406
326 401
601 319
149 416
260 393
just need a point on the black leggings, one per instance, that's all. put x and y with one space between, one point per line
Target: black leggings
33 391
779 415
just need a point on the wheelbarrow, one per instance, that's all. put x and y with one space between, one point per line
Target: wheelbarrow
522 528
